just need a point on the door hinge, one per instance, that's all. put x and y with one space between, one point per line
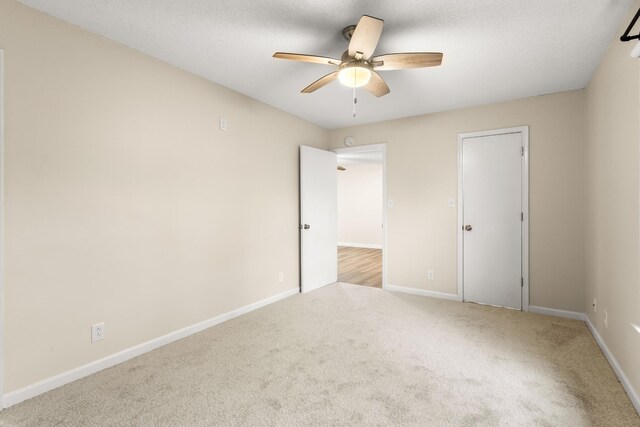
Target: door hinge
521 216
522 282
522 151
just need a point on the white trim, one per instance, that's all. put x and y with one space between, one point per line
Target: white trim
558 313
626 384
1 227
48 384
525 223
459 224
422 292
385 222
524 130
363 149
360 245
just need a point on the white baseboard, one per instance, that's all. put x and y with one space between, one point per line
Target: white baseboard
633 394
558 313
422 292
48 384
360 245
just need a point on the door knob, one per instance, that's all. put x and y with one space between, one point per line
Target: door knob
468 227
307 226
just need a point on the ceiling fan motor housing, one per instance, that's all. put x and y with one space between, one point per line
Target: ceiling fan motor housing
347 32
347 60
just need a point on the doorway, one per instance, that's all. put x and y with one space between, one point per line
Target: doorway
319 214
361 215
493 218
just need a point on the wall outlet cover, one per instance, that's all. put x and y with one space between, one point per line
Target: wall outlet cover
97 332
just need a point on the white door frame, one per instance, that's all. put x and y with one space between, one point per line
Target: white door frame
383 148
1 229
524 130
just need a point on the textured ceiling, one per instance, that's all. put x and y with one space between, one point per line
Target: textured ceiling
494 50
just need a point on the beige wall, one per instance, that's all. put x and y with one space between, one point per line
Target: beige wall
422 174
612 207
125 203
360 204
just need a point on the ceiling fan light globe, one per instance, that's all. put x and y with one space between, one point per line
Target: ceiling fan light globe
354 76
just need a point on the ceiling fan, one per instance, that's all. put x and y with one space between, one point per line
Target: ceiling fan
358 67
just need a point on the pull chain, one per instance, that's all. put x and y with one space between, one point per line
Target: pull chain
355 100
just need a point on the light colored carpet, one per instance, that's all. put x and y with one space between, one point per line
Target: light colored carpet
353 355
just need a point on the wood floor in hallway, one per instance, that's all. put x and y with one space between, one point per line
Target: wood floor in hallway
360 266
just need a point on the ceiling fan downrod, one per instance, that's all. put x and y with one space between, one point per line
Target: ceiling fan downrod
347 32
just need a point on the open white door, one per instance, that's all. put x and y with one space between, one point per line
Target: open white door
493 215
318 218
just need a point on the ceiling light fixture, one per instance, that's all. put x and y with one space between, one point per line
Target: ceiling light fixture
354 74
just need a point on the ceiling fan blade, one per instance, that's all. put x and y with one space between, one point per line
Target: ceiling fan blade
376 85
322 81
399 61
365 37
307 58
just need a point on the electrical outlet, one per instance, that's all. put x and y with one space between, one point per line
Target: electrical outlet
97 332
281 277
429 274
223 124
451 202
595 305
606 319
